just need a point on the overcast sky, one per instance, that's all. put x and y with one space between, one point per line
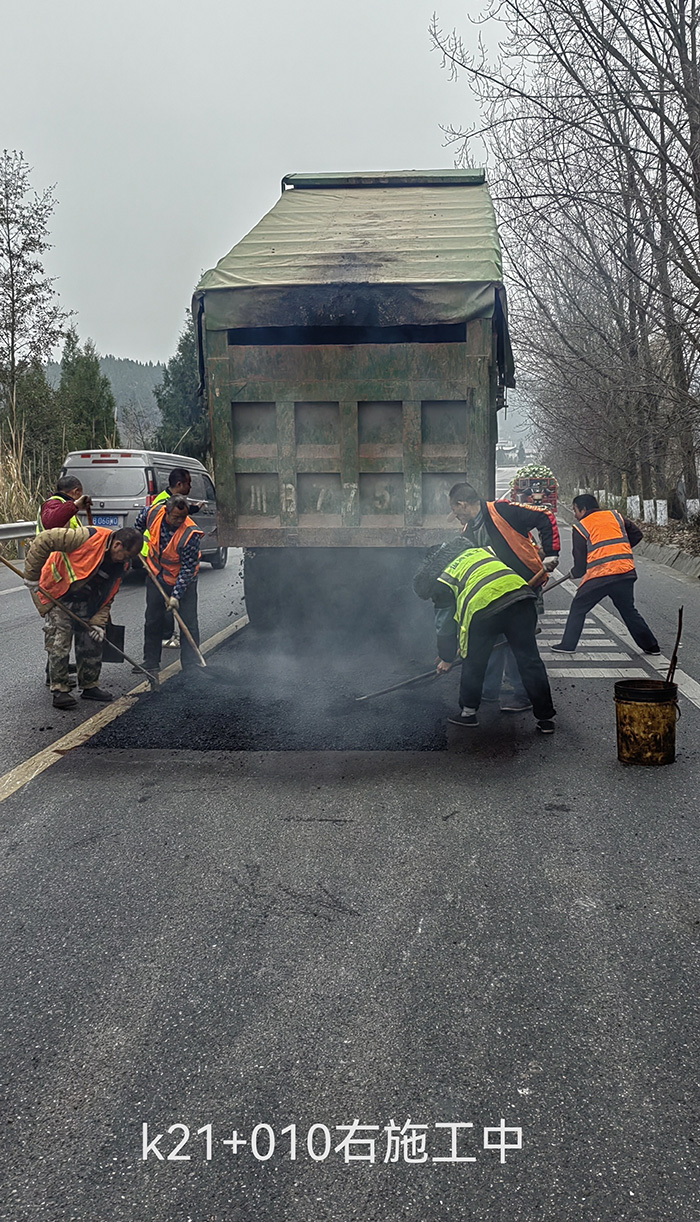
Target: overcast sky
167 127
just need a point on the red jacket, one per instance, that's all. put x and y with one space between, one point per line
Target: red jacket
55 513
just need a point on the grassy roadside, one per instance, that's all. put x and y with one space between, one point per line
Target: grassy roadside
19 500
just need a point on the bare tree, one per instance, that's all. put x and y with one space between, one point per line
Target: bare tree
137 426
591 121
31 320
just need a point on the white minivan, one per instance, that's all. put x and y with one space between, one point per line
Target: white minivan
122 482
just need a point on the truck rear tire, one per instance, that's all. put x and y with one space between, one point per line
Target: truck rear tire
218 560
259 586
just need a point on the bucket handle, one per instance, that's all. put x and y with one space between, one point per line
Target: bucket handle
678 711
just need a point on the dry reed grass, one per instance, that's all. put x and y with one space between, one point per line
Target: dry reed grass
20 494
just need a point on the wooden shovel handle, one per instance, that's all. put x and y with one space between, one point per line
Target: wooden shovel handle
537 577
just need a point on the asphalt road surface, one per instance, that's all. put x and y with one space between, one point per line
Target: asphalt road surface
31 722
484 945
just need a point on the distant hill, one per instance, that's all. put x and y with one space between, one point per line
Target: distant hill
132 384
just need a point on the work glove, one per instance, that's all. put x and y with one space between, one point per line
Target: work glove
549 563
31 585
97 634
173 604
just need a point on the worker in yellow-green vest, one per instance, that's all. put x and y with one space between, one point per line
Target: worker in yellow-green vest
478 598
179 484
61 509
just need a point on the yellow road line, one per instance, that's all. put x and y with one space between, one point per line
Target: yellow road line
26 771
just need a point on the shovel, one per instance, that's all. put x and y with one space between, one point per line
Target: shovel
152 679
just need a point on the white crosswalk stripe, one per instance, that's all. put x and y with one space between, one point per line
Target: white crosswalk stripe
602 644
581 656
602 632
599 672
597 644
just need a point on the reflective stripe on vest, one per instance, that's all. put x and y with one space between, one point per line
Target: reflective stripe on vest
157 500
477 578
166 563
63 568
74 523
522 545
608 549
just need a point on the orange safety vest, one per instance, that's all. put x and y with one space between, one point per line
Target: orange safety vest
165 564
63 568
608 549
522 545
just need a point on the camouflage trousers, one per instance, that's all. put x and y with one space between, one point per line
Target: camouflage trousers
59 631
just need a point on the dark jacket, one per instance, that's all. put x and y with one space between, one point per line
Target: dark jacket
426 585
520 518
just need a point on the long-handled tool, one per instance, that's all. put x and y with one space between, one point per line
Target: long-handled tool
427 674
432 674
674 655
178 617
152 679
554 584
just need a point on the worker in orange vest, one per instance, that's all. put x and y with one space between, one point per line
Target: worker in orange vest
173 557
602 546
82 568
505 528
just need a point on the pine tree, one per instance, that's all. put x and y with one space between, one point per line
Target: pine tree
44 432
184 425
85 398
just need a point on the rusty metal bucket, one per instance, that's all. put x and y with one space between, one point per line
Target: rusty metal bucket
647 711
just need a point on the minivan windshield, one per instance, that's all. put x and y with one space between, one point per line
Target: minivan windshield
101 483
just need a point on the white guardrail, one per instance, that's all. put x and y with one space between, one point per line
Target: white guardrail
21 531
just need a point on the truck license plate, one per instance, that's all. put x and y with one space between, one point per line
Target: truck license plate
105 519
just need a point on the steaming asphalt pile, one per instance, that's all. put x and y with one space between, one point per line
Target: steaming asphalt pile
269 692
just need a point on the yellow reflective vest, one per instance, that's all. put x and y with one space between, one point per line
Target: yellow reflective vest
477 578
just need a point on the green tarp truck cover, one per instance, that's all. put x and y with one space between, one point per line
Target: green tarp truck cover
373 250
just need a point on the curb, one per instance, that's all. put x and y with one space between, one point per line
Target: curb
672 557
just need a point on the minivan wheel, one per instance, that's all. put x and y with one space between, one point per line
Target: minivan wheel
218 560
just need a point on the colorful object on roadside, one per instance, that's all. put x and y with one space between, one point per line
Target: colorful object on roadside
535 484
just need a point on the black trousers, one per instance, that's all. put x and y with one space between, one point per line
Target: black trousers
157 620
621 594
517 623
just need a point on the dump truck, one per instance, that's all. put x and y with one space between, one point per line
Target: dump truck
354 351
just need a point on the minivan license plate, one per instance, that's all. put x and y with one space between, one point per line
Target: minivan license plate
105 519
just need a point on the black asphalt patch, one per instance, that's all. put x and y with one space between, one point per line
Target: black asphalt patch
262 692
